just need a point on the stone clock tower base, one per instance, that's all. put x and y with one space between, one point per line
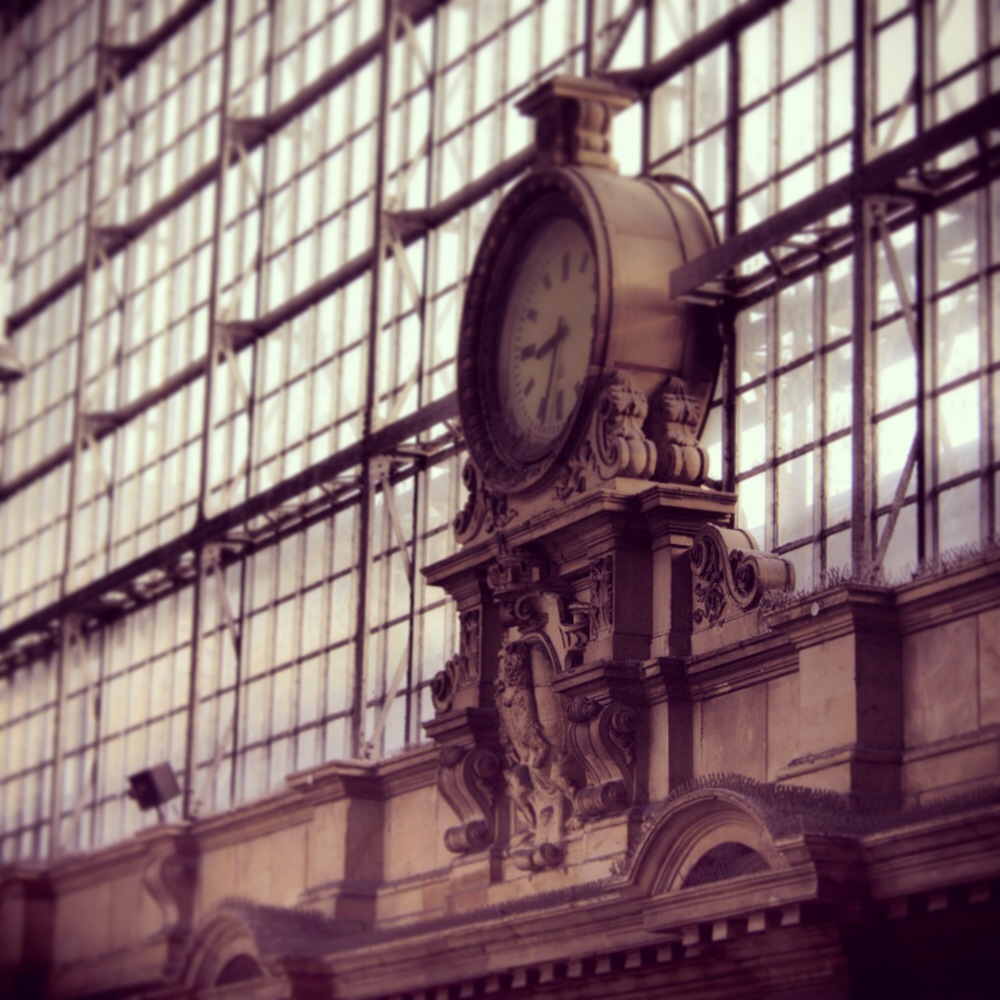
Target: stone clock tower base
570 624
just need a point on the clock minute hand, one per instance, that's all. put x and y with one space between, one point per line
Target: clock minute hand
551 345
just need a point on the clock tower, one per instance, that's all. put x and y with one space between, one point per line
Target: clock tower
589 533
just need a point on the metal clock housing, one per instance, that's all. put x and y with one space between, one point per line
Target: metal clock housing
571 281
509 420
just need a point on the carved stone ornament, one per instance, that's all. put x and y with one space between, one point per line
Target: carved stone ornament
542 777
602 616
563 764
468 779
731 574
463 669
615 444
674 419
484 510
603 738
171 878
533 602
573 120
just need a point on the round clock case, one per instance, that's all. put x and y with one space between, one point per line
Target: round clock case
571 280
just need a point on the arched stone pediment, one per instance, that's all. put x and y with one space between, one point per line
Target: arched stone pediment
242 942
783 824
223 946
689 828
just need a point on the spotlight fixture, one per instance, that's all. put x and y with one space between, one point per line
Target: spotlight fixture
154 787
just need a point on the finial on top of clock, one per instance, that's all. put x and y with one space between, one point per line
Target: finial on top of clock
573 120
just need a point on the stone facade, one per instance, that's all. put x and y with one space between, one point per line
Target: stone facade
655 769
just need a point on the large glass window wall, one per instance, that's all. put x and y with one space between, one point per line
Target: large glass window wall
236 236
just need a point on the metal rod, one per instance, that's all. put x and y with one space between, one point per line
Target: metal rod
862 367
364 559
201 519
90 248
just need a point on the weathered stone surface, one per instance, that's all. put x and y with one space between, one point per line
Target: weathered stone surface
939 682
988 624
783 723
732 733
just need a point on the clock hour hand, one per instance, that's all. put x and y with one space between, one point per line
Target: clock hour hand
562 329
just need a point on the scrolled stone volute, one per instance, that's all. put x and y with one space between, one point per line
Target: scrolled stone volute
730 574
602 737
171 878
468 779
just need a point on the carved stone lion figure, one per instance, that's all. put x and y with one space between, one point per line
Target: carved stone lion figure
515 697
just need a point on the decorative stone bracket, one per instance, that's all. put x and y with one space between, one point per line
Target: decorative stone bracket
171 878
615 444
468 779
603 738
730 574
674 418
462 670
485 512
541 608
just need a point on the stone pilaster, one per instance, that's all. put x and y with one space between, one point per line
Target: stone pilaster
850 690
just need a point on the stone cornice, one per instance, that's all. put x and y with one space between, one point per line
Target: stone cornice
935 600
924 602
410 771
730 898
684 506
763 658
851 753
753 661
936 853
33 877
355 779
337 780
463 726
974 738
831 614
73 872
257 819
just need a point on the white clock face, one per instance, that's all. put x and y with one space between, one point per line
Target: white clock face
546 337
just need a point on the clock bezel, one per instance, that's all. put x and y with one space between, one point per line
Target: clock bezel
534 201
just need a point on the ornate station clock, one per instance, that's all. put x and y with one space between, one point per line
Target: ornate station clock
588 534
575 366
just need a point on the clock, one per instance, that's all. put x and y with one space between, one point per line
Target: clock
569 294
545 338
533 332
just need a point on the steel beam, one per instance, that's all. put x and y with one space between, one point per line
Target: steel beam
645 78
383 441
872 178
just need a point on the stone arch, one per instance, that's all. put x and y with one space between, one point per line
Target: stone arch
703 827
223 951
